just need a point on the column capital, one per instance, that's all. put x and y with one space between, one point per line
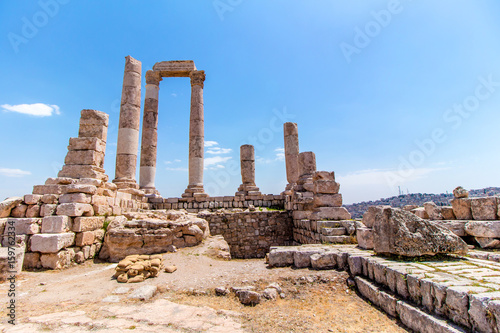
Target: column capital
153 77
197 78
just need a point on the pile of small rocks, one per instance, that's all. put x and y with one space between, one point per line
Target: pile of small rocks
137 268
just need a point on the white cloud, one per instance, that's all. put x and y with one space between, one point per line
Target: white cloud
211 143
216 162
280 154
13 172
218 150
171 162
37 109
177 161
177 169
173 94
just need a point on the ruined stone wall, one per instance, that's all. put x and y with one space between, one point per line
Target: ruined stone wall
251 234
214 203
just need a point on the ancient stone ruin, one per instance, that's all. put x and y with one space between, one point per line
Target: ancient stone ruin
79 215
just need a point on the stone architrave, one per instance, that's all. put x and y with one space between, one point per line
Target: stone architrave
247 159
128 129
149 133
196 137
291 137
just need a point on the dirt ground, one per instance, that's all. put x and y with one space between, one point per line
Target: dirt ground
85 298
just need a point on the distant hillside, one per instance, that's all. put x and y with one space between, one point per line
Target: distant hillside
358 209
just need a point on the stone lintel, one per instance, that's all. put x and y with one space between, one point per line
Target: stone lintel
175 68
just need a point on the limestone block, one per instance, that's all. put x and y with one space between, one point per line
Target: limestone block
102 209
307 163
488 243
462 208
75 198
89 157
57 260
59 181
32 199
460 192
6 269
281 257
364 237
323 175
3 223
81 224
74 209
83 171
51 243
326 186
84 238
484 208
482 318
327 200
76 188
302 258
89 181
87 143
55 224
23 226
19 211
457 302
99 234
47 210
93 131
333 213
369 215
483 228
93 117
325 260
8 204
48 189
458 227
433 211
420 212
447 212
99 200
50 198
32 260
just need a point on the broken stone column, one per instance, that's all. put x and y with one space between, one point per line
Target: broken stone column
247 159
307 166
149 133
128 131
85 158
291 136
196 137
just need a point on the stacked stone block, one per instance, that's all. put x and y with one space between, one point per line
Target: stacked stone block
291 136
248 190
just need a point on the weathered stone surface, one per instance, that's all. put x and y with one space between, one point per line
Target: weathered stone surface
462 208
488 243
79 171
328 200
369 215
86 157
483 228
6 268
307 163
50 198
333 213
55 224
420 212
74 209
144 293
51 243
460 192
458 227
248 297
48 189
75 198
84 238
94 131
23 226
32 199
302 258
19 211
326 186
484 208
33 211
81 188
90 223
87 143
32 260
364 237
280 257
447 212
47 210
481 318
433 211
402 233
7 205
57 260
324 260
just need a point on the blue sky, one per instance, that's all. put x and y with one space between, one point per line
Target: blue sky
386 93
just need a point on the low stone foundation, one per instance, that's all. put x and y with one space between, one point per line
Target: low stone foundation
251 234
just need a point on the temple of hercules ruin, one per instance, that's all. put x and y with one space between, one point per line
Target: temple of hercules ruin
80 215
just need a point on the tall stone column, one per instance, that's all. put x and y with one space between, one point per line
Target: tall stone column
128 129
247 160
291 136
196 137
149 133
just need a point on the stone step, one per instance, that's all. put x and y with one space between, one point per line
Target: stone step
337 239
328 224
340 231
410 316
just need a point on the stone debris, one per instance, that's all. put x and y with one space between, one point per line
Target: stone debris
143 293
248 297
8 204
460 192
137 268
399 232
170 269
